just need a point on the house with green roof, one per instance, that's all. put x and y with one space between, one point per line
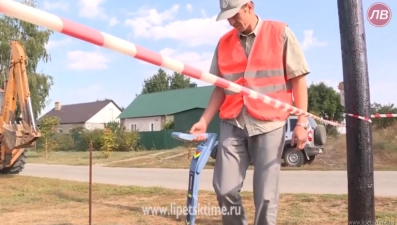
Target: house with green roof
150 112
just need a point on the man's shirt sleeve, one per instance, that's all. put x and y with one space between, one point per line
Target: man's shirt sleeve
294 59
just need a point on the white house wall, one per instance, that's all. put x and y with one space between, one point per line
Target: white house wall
109 113
145 123
93 126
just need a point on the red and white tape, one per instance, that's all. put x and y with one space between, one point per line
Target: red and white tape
88 34
387 115
368 119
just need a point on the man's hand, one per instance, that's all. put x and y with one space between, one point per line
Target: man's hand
299 137
199 128
299 88
215 102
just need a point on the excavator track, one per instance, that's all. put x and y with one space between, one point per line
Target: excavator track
17 166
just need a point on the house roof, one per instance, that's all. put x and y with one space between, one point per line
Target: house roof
168 102
78 113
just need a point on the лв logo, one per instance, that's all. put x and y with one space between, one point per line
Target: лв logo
379 14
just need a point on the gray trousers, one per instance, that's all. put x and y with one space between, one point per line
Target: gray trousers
236 150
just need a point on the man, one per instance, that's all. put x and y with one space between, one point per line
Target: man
252 131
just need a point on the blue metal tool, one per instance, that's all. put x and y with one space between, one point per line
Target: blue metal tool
200 158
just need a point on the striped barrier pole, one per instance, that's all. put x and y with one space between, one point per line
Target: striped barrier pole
62 25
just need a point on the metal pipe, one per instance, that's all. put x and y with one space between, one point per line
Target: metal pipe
360 174
31 114
90 188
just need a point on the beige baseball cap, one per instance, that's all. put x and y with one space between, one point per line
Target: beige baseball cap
229 8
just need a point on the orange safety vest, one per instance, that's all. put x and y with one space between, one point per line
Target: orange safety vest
263 71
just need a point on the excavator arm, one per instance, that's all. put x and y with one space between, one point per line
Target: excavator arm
16 135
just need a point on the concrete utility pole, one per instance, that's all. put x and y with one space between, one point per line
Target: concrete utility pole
357 101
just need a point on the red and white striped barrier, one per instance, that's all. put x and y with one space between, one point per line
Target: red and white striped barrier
387 115
88 34
377 115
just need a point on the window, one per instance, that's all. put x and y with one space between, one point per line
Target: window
312 122
292 124
151 126
133 127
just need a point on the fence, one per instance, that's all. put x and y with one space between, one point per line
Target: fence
156 140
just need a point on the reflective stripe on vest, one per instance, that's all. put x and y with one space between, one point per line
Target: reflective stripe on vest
263 71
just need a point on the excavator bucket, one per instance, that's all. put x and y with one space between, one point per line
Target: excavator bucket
10 137
18 136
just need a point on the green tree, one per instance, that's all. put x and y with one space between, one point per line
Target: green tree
156 83
324 102
48 125
161 81
178 81
33 38
114 126
124 140
168 125
383 109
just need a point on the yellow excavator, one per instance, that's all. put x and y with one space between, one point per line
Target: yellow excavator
17 132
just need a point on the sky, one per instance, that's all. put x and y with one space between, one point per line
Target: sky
186 31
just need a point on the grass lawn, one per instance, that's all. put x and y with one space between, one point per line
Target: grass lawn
333 158
29 200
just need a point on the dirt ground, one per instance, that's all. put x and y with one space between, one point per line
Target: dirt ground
31 201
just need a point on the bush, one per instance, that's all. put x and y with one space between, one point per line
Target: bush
116 139
93 136
127 141
64 142
383 109
385 139
120 140
108 142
